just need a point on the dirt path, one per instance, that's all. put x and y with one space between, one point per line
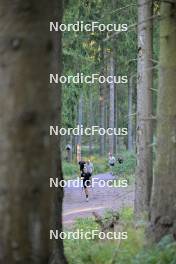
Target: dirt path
101 199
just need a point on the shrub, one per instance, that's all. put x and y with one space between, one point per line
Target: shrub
129 251
70 170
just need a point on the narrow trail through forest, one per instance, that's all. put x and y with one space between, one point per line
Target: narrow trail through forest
100 200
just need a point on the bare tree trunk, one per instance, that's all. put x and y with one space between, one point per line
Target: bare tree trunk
29 156
115 117
90 121
144 109
115 5
102 105
71 151
111 104
163 204
79 137
130 118
106 126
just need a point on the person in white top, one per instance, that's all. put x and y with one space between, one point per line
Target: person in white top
90 167
112 162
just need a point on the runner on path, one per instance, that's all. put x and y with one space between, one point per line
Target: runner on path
82 164
112 162
86 177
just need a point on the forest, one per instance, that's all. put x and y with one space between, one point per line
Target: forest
92 84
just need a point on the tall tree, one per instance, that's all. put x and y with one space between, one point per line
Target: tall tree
111 103
80 120
144 108
163 209
102 102
90 116
114 44
130 109
29 156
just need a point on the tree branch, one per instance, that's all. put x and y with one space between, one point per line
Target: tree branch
131 26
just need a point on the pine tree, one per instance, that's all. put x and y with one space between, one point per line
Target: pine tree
144 109
163 209
29 156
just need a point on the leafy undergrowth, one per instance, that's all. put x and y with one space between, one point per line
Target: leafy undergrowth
70 170
129 251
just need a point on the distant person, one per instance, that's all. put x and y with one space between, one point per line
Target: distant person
69 153
90 167
112 162
82 164
86 177
120 160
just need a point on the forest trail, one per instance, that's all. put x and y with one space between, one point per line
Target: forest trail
100 200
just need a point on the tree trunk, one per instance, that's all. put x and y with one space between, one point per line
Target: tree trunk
102 105
115 115
115 5
163 205
90 122
111 104
130 118
106 126
71 152
29 156
144 109
79 137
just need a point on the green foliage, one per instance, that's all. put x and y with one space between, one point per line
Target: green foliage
130 251
82 53
70 171
86 224
126 214
103 252
157 255
127 168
